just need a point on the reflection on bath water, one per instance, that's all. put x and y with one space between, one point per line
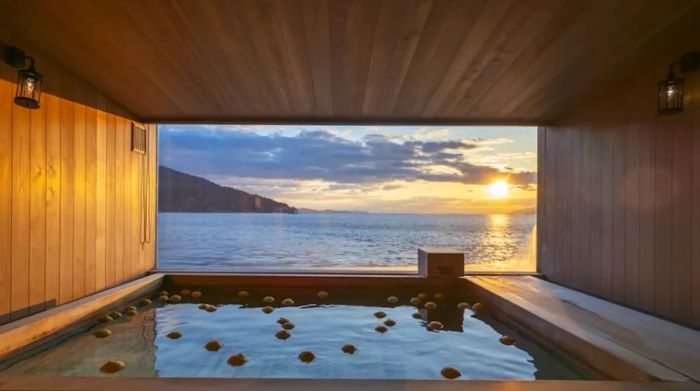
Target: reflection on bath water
407 350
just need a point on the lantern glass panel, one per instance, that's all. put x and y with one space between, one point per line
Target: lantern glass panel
29 85
671 96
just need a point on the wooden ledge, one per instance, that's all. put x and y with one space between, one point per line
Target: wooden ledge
617 341
21 333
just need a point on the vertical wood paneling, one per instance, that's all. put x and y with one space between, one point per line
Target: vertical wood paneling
646 221
585 210
135 213
631 188
663 217
52 105
120 144
69 197
618 218
152 204
636 178
67 190
37 212
79 184
682 214
607 207
596 228
542 252
127 197
21 147
101 199
560 211
571 245
110 231
696 213
90 200
6 89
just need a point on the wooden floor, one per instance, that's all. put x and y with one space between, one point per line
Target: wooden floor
175 384
593 326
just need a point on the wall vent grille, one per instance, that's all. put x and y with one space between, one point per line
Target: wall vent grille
138 139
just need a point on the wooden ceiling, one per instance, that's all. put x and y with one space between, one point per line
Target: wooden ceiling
402 61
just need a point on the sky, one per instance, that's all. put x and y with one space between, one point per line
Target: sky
380 169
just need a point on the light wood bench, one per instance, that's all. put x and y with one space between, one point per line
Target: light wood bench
620 342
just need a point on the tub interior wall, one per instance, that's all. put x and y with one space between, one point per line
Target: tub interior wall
407 350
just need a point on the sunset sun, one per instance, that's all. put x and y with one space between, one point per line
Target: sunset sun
498 189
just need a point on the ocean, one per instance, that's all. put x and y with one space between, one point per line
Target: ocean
340 241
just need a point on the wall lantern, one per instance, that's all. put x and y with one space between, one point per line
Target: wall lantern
671 89
29 81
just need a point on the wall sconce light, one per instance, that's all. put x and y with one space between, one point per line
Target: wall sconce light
29 81
671 89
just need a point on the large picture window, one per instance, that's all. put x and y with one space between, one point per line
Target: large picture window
344 198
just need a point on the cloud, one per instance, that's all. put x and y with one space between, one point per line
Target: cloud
317 154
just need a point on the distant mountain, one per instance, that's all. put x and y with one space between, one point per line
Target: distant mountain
306 210
180 192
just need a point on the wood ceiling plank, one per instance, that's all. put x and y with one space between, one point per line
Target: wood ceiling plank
290 36
577 40
515 36
386 36
190 63
633 27
91 45
521 70
257 20
448 26
317 26
252 96
412 25
620 54
457 61
458 70
515 13
352 28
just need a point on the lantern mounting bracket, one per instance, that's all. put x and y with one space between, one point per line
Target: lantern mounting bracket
16 57
689 62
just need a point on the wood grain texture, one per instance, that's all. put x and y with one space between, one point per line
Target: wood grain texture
21 158
58 180
695 227
617 341
37 212
15 336
637 193
5 204
52 105
452 61
101 199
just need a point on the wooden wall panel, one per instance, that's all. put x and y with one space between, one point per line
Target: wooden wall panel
70 201
101 198
52 105
619 208
110 231
695 226
65 282
20 212
37 212
90 201
5 204
79 202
